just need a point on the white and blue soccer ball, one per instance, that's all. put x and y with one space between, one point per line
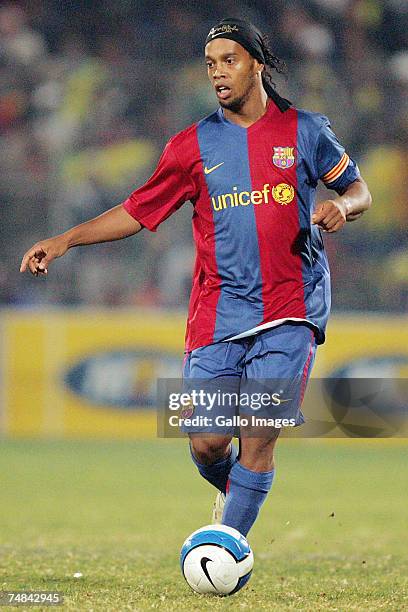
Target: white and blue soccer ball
216 559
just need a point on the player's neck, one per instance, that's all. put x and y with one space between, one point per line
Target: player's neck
253 109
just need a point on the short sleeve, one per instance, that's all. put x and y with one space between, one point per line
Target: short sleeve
333 166
165 191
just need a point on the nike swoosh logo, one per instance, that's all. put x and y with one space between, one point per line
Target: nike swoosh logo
209 170
204 561
219 34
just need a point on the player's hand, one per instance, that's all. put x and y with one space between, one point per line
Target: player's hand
329 215
38 258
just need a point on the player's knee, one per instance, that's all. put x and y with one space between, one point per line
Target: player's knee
210 450
257 454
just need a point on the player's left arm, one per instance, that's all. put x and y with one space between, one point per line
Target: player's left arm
331 215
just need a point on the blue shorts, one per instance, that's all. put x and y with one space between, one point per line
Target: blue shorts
262 376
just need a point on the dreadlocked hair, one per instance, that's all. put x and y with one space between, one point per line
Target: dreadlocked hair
271 63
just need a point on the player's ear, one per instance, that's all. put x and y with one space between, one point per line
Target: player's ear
259 67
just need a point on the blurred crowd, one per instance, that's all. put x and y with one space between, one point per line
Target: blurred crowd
91 90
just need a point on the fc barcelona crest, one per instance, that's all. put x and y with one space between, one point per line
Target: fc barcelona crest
283 157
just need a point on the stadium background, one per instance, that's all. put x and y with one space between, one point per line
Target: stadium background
89 93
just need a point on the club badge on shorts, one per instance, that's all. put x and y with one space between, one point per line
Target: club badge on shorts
283 157
187 410
283 193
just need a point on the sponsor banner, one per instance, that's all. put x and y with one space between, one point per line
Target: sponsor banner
86 373
94 373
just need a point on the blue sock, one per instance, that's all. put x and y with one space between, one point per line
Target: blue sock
217 473
246 493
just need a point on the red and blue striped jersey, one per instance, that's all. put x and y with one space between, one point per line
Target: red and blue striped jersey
259 259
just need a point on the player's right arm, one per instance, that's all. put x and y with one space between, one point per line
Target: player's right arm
114 224
166 190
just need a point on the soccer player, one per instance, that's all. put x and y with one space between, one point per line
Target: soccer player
261 295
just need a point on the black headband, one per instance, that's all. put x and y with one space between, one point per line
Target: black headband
249 37
243 32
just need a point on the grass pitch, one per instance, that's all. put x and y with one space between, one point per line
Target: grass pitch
331 536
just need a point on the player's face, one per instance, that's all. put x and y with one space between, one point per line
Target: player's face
232 71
